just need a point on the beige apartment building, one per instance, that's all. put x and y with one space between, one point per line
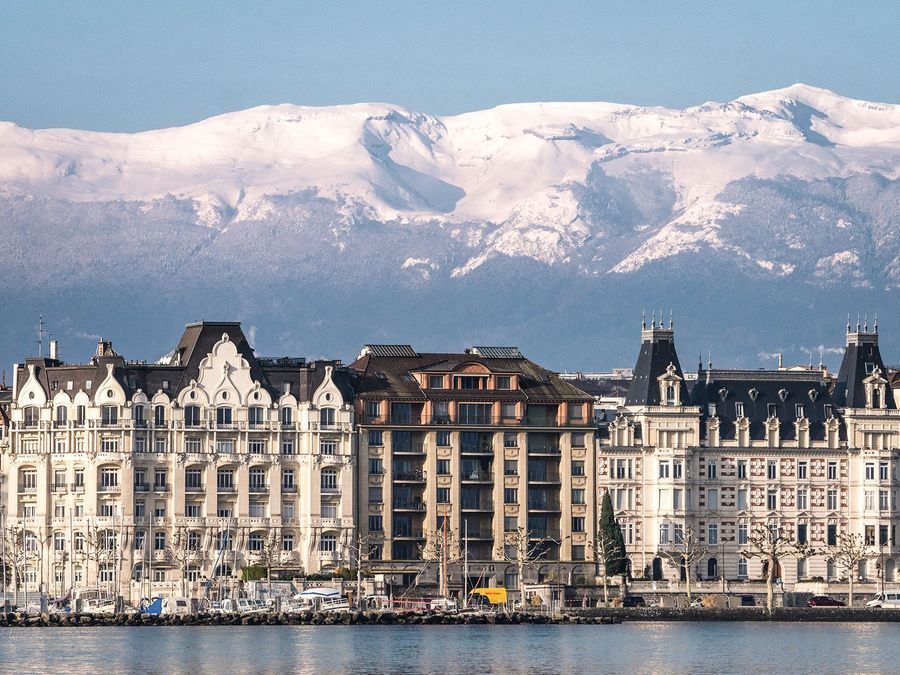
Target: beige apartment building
467 450
136 476
801 449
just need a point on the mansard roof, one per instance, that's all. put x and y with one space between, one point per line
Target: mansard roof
861 357
657 352
718 391
391 377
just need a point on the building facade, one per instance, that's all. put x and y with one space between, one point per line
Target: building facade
472 449
797 450
136 476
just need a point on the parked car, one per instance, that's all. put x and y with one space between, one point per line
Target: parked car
824 601
633 601
889 599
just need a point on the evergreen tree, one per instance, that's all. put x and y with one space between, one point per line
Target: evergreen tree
612 543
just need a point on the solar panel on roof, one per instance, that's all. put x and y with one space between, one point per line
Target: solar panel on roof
390 350
498 352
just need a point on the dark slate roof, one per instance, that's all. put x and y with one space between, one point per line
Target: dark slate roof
657 352
390 377
860 357
602 387
756 390
195 343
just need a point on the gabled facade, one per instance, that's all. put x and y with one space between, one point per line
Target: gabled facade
141 476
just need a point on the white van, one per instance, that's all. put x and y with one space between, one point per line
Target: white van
888 599
176 607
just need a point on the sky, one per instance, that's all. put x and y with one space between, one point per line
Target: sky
128 66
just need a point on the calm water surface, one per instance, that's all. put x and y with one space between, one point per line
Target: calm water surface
631 647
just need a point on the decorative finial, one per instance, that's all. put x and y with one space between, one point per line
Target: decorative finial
821 358
848 322
653 318
643 319
857 322
875 327
671 320
866 324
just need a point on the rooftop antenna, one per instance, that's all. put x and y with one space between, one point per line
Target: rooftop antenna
866 324
40 334
848 322
875 327
857 322
671 321
821 357
3 379
653 318
643 319
709 367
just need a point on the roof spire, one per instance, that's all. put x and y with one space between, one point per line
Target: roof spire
866 324
671 320
875 327
821 357
857 322
848 322
643 319
652 318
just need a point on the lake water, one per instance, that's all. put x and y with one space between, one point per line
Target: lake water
629 647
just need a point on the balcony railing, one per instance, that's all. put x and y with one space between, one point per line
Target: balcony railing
162 487
544 477
77 487
409 533
417 448
227 488
483 447
474 420
477 505
58 487
27 489
543 449
331 489
479 475
108 488
544 533
409 504
142 487
543 505
289 488
417 475
193 488
259 488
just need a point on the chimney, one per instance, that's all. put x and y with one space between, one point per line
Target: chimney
54 350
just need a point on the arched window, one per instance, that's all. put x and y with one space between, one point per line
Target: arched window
109 415
225 540
32 415
876 397
31 542
223 416
192 416
256 415
329 480
194 541
159 415
255 541
670 394
81 414
712 568
328 543
287 416
62 414
140 416
326 417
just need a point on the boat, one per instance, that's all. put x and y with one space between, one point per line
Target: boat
322 600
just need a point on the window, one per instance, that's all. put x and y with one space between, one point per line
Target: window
678 533
287 541
109 444
376 524
577 496
772 469
109 477
832 470
474 413
664 534
192 444
738 409
772 410
159 541
62 414
376 465
329 480
327 446
510 523
375 494
576 412
742 499
712 469
510 495
676 469
225 447
435 381
577 467
443 438
255 541
327 417
802 473
109 415
802 533
882 471
504 382
225 479
742 568
256 415
79 477
712 534
257 479
441 412
870 500
287 446
287 416
192 416
140 444
511 580
373 409
802 501
510 467
832 500
577 551
510 439
712 499
443 467
882 500
772 500
869 539
223 416
870 470
256 447
375 437
443 495
29 479
139 540
578 440
677 503
664 469
159 509
287 479
831 537
742 469
742 534
193 510
508 411
798 411
577 523
159 415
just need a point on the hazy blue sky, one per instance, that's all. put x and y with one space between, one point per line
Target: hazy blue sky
136 65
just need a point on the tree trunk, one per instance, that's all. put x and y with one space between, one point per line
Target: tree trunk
850 598
770 584
687 583
521 568
605 588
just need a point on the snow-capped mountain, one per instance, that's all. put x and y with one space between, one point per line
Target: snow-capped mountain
796 187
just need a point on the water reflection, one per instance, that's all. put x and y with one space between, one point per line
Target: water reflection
631 647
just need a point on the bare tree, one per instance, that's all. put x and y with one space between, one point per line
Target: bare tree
685 554
851 550
99 547
773 543
184 549
359 556
441 549
519 548
14 556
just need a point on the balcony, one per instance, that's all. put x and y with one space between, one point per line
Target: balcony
543 505
331 489
227 488
109 488
259 488
193 488
409 533
142 487
162 487
549 533
415 476
409 505
477 476
77 487
289 489
58 487
477 505
543 449
544 477
408 448
27 489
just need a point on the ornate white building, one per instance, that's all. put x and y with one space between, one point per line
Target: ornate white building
120 473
